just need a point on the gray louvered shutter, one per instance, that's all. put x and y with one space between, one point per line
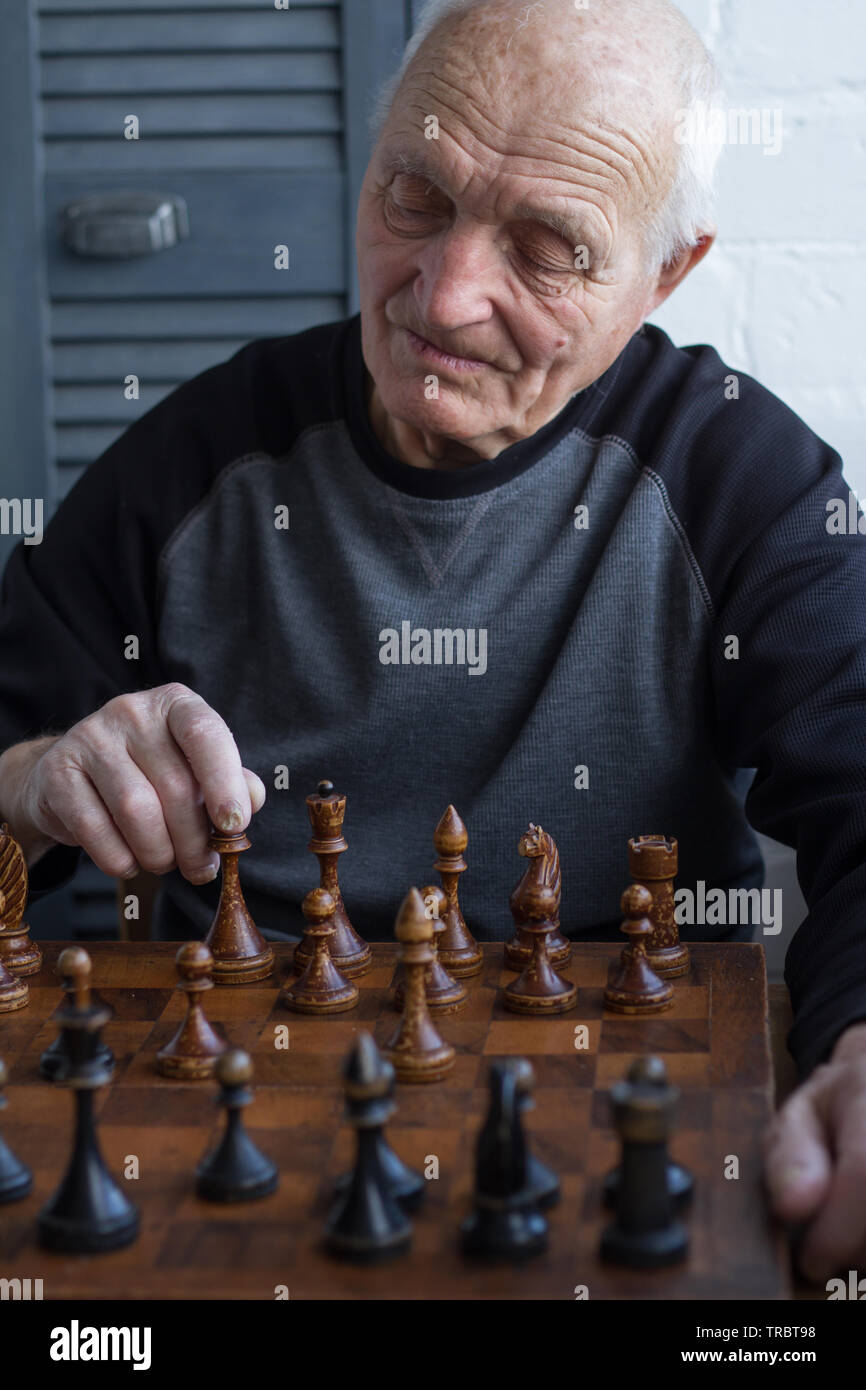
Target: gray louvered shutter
257 119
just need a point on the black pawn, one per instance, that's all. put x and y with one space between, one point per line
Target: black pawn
644 1233
506 1222
541 1181
367 1222
16 1179
405 1185
55 1059
88 1213
653 1071
235 1171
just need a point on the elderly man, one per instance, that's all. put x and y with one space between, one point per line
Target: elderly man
493 542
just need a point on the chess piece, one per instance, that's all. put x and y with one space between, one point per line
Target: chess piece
368 1221
55 1059
415 1049
644 1233
235 1170
635 988
405 1186
195 1048
543 869
16 1179
505 1222
14 992
539 989
652 862
326 809
321 988
459 952
651 1071
18 953
88 1213
239 951
444 995
541 1181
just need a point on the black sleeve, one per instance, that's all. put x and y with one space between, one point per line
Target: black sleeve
793 706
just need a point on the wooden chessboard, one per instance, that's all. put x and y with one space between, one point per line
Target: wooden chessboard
714 1041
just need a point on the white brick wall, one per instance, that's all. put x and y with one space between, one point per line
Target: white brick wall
782 294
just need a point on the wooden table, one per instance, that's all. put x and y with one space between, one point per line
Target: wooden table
715 1040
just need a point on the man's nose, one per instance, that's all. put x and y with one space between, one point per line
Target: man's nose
457 277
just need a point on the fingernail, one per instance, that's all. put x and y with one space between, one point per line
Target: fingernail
781 1179
206 874
230 816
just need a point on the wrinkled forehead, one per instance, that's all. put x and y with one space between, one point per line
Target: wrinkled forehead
551 97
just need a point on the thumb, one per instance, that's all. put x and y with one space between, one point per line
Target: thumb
798 1163
256 789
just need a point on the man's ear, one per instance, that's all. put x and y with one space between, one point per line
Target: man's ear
674 272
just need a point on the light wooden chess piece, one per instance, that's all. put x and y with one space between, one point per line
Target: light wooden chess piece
14 993
194 1050
635 988
459 952
653 862
444 995
349 952
539 990
18 953
542 871
321 988
415 1049
240 953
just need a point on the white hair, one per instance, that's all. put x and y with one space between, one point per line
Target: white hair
689 208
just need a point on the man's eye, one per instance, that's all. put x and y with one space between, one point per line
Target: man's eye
543 267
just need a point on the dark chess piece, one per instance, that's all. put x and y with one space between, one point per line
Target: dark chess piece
541 1181
240 953
542 871
644 1233
539 990
236 1170
505 1222
16 1179
652 862
635 988
14 992
651 1071
55 1059
19 954
443 995
195 1048
458 950
368 1221
415 1049
405 1185
88 1213
349 952
321 988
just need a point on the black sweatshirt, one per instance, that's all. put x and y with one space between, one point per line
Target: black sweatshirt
602 631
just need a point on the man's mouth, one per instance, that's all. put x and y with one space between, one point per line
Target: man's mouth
428 350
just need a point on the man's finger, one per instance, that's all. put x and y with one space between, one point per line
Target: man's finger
206 740
837 1236
798 1163
256 789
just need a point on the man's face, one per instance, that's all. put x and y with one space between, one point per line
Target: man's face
505 258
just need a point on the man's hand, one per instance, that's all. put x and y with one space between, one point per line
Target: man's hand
135 785
815 1160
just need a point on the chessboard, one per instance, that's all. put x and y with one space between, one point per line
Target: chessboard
714 1041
